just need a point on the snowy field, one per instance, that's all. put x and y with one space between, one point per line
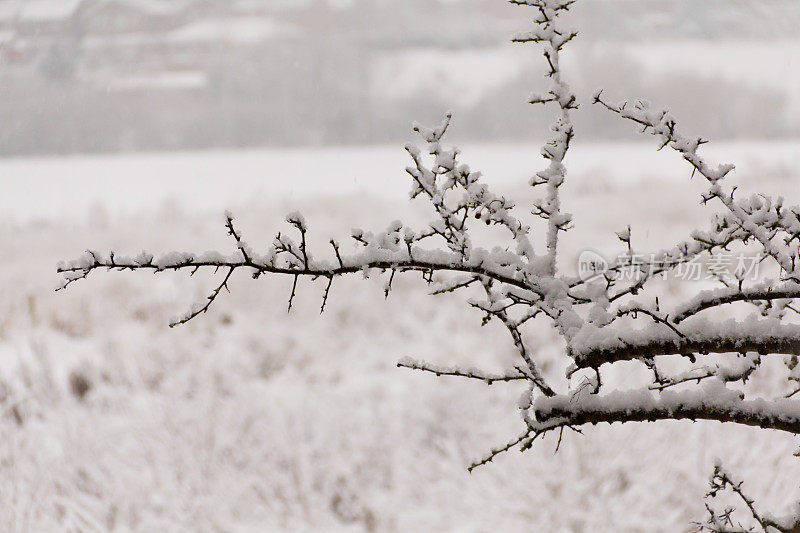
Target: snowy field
252 419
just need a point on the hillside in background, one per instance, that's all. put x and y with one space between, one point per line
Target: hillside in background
122 75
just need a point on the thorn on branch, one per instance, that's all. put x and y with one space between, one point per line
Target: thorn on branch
294 292
325 296
338 255
388 287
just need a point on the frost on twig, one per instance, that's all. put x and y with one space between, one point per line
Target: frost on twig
552 36
602 321
761 217
471 373
727 520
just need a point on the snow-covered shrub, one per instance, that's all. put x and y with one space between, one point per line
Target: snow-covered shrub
695 361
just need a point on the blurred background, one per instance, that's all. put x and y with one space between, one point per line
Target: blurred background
131 124
125 75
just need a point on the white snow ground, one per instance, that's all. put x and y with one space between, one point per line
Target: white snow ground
250 419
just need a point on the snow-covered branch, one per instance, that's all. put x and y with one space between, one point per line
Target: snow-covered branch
552 36
471 373
721 481
714 298
713 401
756 222
602 320
597 346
